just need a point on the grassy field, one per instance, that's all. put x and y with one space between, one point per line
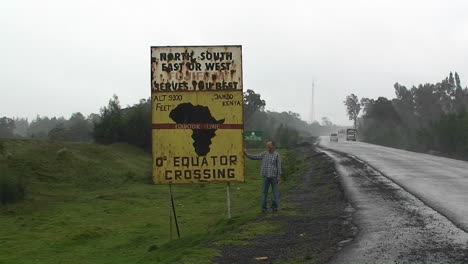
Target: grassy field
88 203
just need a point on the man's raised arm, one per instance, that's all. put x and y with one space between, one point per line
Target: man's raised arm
258 156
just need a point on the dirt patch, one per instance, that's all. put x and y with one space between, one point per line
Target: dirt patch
314 223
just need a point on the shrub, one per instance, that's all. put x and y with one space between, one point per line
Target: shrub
11 188
63 154
129 176
2 147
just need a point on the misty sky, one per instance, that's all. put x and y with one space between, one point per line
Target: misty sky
60 57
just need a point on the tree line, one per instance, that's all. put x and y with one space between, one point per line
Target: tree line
132 125
428 117
76 128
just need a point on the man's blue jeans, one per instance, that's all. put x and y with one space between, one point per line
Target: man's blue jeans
275 195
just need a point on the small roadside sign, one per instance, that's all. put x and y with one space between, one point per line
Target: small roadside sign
253 135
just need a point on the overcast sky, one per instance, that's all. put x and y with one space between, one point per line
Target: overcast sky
60 57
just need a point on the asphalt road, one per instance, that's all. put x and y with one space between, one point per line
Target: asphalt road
439 182
396 225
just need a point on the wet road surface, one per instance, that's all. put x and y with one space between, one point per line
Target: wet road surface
393 225
439 182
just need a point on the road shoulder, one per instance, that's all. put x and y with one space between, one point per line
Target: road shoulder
394 226
310 227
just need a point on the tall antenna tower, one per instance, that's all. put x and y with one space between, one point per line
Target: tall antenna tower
312 109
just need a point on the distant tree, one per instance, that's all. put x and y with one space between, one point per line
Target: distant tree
326 122
427 103
445 91
381 123
131 125
283 137
365 102
425 117
109 128
93 118
40 127
403 94
21 127
137 124
252 103
449 133
270 121
7 126
59 133
293 137
461 96
382 109
294 115
286 136
404 106
353 107
261 121
79 127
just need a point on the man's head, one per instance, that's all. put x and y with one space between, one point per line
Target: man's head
270 144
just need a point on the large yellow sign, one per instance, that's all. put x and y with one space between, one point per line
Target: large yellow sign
197 106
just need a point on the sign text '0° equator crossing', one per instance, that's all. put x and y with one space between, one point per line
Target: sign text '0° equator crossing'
197 114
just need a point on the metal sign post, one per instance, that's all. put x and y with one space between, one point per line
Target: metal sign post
170 219
174 211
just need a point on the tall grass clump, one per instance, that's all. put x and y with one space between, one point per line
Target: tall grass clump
11 187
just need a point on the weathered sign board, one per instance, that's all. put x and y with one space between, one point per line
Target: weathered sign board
253 135
197 114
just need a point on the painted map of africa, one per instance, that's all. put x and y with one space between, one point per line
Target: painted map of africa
186 113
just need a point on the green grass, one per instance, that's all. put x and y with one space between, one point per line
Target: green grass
88 203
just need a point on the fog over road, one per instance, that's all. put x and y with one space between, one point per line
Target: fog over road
439 182
398 216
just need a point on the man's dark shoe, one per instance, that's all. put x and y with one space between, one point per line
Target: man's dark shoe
275 209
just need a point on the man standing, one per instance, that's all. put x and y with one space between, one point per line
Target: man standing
271 173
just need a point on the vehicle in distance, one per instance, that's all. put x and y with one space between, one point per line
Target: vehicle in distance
341 133
333 137
351 134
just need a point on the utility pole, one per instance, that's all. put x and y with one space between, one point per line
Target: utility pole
312 109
